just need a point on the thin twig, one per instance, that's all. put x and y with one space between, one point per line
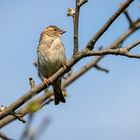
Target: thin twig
101 68
19 117
119 51
131 46
94 39
82 2
76 25
78 5
128 18
32 83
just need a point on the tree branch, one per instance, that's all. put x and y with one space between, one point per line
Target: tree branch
82 2
25 110
128 18
78 5
131 46
76 23
119 51
94 39
101 68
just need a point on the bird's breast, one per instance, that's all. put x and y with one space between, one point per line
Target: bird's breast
51 58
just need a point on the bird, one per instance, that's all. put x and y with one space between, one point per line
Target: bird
50 57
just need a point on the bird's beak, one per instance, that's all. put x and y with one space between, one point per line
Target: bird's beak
62 31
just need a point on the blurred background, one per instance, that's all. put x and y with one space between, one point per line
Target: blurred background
100 106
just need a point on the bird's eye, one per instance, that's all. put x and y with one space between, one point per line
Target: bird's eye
55 29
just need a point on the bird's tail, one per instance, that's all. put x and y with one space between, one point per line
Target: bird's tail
58 96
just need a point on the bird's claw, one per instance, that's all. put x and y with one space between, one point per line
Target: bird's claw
46 81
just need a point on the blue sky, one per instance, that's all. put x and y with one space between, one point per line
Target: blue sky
100 106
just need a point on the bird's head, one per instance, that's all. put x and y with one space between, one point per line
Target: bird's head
53 31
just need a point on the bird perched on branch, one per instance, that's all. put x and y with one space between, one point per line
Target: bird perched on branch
51 56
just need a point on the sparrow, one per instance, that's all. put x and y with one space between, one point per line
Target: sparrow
50 57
